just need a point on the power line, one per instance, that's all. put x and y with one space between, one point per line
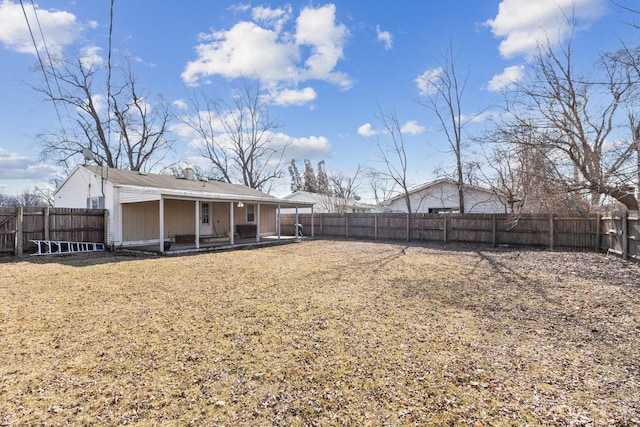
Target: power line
55 75
109 70
44 72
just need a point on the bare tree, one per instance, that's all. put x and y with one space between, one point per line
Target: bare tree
382 188
343 189
238 137
121 128
445 89
392 154
576 116
519 171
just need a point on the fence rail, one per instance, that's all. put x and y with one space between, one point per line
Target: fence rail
617 232
20 225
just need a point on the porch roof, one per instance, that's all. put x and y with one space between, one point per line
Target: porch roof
148 186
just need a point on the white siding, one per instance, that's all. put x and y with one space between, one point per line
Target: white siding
82 185
445 195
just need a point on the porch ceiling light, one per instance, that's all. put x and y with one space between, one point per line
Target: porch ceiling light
240 205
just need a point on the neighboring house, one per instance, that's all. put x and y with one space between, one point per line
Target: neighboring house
441 196
154 209
323 203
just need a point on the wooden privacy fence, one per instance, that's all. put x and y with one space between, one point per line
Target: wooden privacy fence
614 232
20 225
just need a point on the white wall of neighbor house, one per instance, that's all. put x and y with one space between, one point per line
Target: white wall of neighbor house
445 196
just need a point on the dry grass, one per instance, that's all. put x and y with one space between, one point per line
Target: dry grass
321 333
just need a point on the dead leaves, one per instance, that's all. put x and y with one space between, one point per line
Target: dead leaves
322 333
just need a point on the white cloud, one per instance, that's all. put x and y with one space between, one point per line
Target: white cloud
275 18
427 81
180 104
265 51
293 96
15 167
304 147
412 128
245 50
367 130
316 27
61 28
90 56
522 24
509 77
385 37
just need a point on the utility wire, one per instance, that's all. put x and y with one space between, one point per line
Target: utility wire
54 74
109 71
44 72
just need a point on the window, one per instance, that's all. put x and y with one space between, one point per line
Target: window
440 210
251 216
204 213
95 202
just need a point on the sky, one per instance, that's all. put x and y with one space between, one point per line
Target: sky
326 68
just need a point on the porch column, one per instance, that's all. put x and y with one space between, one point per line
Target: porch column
197 233
258 222
278 221
296 224
232 233
161 224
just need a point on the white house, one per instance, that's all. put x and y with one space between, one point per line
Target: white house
323 203
149 209
442 196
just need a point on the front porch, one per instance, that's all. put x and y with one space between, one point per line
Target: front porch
181 225
220 244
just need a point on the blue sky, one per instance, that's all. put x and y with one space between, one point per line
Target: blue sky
325 67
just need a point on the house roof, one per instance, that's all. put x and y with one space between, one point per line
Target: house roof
323 199
180 186
435 183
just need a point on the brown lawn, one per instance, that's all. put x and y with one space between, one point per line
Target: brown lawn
321 333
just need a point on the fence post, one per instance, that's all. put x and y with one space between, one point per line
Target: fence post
444 217
46 223
346 225
625 235
19 237
598 231
375 226
408 226
494 230
551 233
322 224
105 227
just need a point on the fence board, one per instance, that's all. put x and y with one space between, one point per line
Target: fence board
615 232
62 224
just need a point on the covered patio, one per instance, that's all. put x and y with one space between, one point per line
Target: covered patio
183 225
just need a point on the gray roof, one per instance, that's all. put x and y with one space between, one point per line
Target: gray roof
172 184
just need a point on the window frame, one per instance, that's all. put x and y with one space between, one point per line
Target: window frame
251 213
